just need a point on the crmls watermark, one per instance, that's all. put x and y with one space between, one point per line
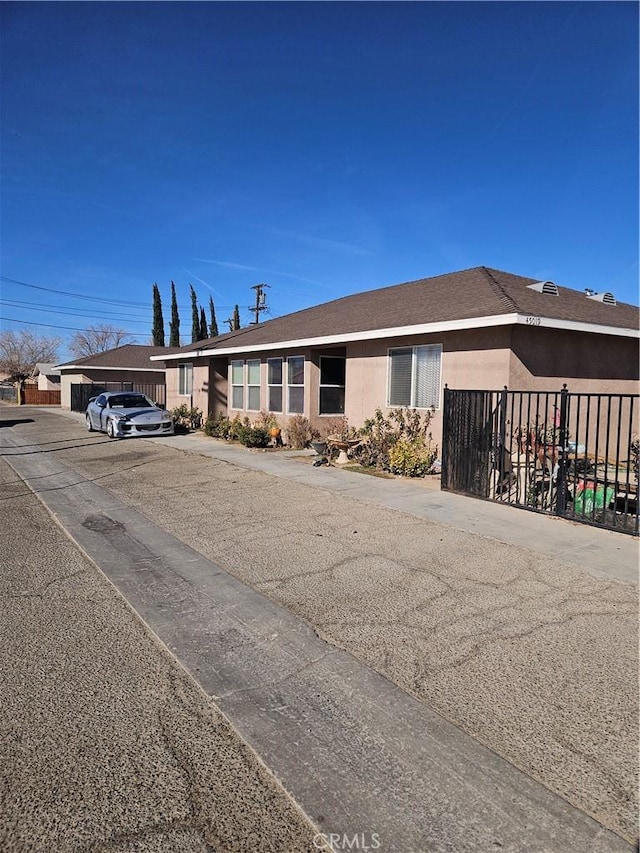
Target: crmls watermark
339 841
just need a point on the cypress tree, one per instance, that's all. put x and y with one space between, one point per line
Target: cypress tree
236 318
158 322
213 326
195 316
204 331
174 325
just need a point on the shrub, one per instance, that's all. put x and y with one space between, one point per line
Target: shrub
267 420
217 426
411 458
238 428
338 428
299 432
381 434
255 436
185 418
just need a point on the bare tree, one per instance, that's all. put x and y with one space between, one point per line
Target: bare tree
21 351
97 339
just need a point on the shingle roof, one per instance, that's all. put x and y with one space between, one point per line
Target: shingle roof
46 369
130 356
476 292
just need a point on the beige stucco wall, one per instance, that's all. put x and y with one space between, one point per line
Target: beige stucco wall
48 383
199 398
474 359
545 359
516 356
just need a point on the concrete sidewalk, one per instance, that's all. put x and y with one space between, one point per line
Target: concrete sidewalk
602 553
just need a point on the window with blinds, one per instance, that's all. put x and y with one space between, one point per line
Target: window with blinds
414 376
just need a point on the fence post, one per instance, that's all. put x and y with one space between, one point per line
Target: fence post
561 493
444 462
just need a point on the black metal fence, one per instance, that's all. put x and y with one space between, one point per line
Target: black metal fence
81 393
8 393
567 454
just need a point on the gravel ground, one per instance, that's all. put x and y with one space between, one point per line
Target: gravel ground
534 657
106 744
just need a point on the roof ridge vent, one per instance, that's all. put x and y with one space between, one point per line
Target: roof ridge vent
606 298
544 287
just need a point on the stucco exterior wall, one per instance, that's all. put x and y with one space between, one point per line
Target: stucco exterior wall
48 383
520 357
199 397
471 359
545 359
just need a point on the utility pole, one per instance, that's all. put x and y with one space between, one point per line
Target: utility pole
234 322
261 302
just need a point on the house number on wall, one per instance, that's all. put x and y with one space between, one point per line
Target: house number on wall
532 321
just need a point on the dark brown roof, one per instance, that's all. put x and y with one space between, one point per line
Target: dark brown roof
477 292
132 356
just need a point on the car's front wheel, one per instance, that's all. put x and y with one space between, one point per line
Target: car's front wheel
111 430
89 424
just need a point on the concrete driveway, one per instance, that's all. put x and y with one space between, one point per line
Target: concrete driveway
531 656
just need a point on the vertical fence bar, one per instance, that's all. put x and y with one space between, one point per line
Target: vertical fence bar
561 476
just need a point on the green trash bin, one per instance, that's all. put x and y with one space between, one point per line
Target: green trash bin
590 496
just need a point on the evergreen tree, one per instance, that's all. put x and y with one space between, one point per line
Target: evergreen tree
195 316
204 330
236 318
158 321
213 326
174 325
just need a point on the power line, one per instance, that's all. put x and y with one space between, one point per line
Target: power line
51 326
56 309
74 295
116 302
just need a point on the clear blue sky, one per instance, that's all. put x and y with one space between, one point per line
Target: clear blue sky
322 148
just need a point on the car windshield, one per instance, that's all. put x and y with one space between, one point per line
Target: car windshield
130 401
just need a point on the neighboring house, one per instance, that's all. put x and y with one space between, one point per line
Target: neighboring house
398 346
124 368
47 377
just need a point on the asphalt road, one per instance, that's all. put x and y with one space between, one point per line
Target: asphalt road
106 744
530 656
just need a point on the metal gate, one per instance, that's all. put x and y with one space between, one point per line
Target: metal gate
566 454
81 392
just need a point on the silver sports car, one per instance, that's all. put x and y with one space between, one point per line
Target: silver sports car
126 413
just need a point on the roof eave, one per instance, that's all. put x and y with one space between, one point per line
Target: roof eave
405 331
348 337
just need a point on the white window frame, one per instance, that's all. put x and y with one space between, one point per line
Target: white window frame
436 348
185 379
321 385
252 362
235 385
279 385
298 384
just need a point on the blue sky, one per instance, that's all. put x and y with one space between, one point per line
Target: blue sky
322 148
